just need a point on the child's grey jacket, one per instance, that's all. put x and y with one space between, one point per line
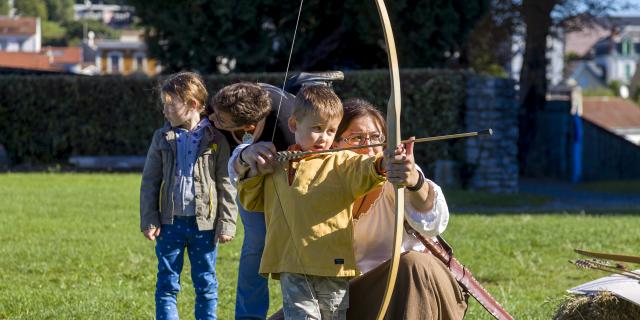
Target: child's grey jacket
214 194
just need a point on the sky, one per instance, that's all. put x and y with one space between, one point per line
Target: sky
629 12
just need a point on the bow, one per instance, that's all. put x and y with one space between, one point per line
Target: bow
393 129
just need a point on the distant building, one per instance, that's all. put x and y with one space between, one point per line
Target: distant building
110 14
601 51
69 59
617 115
588 75
20 34
125 56
617 54
578 43
50 59
34 61
608 48
21 50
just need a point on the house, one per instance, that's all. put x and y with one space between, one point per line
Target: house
612 57
68 59
579 42
28 61
617 54
588 75
49 59
20 34
614 114
124 56
21 50
110 14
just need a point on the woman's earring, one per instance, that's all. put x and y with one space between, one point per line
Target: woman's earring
247 138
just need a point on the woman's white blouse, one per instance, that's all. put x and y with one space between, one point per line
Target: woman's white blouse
373 231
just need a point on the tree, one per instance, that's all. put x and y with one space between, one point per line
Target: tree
331 34
539 16
31 8
76 30
4 7
53 33
59 10
488 48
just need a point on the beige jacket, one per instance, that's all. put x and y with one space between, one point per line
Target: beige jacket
214 194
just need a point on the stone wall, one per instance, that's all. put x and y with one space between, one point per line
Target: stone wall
491 162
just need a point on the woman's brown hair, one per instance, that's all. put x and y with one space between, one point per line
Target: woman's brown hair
356 108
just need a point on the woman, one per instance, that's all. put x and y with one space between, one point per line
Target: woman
425 289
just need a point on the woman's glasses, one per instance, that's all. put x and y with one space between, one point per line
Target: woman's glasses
360 138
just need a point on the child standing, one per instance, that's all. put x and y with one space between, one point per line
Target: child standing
307 205
186 198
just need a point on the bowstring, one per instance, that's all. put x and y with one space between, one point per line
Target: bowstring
286 71
273 134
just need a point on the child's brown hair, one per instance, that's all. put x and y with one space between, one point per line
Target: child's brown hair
319 100
246 102
185 86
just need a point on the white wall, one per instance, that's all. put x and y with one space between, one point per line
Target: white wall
17 43
554 55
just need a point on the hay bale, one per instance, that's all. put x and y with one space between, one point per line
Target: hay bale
603 306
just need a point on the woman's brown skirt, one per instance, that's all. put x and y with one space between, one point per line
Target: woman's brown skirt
425 289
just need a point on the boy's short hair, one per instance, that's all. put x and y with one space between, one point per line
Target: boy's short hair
319 100
246 102
186 86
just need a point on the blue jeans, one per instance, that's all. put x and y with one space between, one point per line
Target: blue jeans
252 293
170 246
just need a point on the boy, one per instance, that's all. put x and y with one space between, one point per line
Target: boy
308 213
186 198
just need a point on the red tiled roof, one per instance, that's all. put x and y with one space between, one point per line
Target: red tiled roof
26 60
17 26
64 55
611 112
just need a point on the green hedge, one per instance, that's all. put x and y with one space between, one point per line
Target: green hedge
47 119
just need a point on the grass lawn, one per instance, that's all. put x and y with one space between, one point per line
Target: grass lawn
71 249
466 198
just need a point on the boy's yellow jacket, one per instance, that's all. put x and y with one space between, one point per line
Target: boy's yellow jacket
310 223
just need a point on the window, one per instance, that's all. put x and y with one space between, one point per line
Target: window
139 62
627 71
114 62
626 47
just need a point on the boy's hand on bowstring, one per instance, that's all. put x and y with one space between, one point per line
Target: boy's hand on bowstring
401 166
151 233
261 157
224 238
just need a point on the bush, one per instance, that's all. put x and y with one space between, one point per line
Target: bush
47 119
